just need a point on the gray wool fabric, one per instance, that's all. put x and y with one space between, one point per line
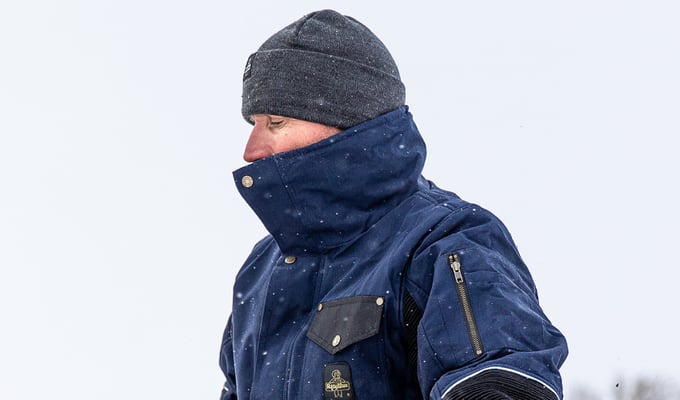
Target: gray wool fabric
325 68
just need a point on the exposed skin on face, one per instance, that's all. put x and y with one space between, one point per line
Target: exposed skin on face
273 134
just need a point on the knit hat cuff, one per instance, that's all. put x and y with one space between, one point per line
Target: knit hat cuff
318 87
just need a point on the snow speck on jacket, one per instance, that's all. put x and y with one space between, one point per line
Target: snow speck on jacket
376 284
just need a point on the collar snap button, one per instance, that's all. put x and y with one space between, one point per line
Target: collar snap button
247 181
290 259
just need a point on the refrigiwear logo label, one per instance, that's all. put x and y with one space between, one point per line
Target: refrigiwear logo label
337 379
249 67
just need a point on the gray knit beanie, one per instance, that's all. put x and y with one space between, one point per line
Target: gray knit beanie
325 68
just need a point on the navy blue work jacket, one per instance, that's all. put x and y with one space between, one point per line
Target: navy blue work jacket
375 284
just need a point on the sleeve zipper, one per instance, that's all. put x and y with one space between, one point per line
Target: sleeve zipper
463 296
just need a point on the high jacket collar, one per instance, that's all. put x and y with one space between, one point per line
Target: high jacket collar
323 195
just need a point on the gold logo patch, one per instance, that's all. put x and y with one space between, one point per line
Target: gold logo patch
338 382
337 385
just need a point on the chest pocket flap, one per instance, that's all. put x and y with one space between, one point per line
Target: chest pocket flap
341 323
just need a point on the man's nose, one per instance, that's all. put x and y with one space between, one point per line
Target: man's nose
258 146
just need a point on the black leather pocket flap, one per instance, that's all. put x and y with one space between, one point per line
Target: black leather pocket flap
340 323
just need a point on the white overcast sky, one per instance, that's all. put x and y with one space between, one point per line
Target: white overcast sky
121 230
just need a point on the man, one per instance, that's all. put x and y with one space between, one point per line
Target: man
373 283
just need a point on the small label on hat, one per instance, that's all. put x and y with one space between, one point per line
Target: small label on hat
249 67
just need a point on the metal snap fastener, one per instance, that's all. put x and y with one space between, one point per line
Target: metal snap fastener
379 301
319 307
247 181
290 259
336 341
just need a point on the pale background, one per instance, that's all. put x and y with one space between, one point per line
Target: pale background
121 230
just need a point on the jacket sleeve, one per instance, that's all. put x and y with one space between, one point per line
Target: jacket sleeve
482 333
227 364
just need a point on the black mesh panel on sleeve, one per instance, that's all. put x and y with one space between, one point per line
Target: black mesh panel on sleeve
412 316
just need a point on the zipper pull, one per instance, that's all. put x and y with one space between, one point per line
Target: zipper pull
454 263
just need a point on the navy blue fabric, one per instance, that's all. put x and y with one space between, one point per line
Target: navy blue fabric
360 220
